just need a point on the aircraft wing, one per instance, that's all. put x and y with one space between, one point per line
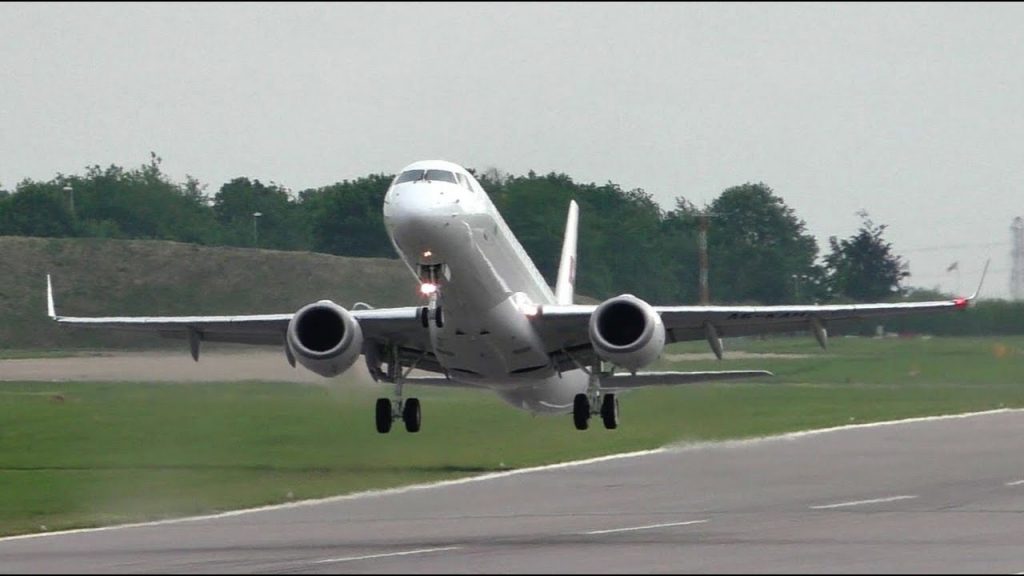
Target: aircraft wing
384 326
565 328
689 322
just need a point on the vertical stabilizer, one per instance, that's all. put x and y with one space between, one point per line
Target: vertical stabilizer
564 287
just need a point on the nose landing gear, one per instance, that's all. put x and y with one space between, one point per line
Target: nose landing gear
431 276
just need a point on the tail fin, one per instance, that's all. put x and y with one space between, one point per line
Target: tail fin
567 265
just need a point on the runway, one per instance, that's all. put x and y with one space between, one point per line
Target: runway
930 495
221 364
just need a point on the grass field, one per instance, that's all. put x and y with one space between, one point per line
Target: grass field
86 454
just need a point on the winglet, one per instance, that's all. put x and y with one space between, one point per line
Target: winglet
982 281
962 302
567 264
50 310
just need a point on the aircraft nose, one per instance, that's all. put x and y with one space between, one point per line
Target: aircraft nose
418 210
412 204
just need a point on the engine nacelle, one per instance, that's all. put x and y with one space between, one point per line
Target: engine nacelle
325 338
627 332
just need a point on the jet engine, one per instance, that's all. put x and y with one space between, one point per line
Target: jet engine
627 332
325 338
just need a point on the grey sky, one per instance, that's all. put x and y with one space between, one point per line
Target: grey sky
914 112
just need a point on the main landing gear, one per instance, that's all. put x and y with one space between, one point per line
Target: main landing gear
583 408
388 410
593 403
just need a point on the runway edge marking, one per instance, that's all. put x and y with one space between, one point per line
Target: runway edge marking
505 474
852 503
385 555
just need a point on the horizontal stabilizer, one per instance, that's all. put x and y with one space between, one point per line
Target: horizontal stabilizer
627 381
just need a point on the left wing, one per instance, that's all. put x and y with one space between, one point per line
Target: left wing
565 327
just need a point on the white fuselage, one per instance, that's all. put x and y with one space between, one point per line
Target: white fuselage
488 288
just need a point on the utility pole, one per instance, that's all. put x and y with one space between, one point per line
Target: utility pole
704 220
256 229
1017 254
705 298
71 198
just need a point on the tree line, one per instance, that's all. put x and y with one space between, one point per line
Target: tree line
759 250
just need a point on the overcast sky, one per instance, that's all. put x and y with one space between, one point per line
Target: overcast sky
913 112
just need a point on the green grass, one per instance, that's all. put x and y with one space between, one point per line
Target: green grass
891 361
86 454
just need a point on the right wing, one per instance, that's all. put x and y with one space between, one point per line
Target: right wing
383 328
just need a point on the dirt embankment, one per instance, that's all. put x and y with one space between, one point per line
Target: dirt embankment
102 277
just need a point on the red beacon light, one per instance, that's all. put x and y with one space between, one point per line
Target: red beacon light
961 303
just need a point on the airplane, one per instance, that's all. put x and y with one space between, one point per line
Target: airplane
488 319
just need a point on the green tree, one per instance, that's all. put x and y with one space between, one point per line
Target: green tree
279 224
863 267
759 250
619 246
678 252
140 203
36 209
624 243
347 218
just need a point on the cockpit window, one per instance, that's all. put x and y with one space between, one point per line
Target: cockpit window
429 175
464 181
409 176
442 175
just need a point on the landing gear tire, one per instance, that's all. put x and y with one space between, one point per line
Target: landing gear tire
411 415
383 415
610 411
580 411
439 317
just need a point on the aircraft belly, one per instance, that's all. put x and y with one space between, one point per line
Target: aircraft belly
497 346
552 395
